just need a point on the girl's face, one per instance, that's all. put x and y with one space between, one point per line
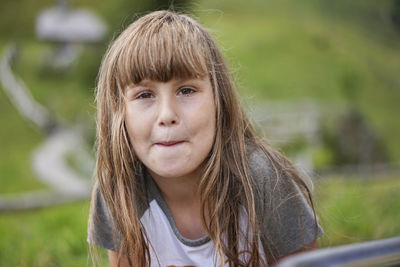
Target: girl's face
171 125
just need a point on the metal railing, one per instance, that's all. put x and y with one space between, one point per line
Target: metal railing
384 252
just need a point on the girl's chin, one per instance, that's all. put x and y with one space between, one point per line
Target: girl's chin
168 172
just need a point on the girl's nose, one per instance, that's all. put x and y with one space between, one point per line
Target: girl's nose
167 113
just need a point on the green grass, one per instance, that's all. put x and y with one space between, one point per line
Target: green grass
50 237
358 210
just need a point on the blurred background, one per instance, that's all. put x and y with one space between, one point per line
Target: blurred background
320 80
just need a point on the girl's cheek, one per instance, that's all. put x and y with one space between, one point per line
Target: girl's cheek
139 112
140 106
193 102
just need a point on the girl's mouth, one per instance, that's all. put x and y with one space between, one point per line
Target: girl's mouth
169 143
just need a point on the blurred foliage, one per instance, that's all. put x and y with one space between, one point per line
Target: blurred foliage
322 156
352 141
293 146
395 13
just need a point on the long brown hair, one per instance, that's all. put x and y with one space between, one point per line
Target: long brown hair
160 46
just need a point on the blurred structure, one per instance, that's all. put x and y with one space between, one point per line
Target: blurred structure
49 160
20 96
299 127
285 122
68 29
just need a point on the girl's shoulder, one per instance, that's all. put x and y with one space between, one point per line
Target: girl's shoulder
263 171
277 186
259 165
271 171
102 228
286 218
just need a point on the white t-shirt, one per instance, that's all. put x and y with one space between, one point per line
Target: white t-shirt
170 248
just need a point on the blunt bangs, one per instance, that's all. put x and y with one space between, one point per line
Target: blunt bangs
160 47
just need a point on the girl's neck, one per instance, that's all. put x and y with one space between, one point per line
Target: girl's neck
182 197
181 191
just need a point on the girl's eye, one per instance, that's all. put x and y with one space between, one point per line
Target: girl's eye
143 95
186 91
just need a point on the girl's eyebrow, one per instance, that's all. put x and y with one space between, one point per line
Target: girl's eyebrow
142 83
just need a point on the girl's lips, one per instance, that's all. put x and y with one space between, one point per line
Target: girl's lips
169 143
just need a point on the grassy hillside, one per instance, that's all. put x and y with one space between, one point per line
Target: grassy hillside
295 50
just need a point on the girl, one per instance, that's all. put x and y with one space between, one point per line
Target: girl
183 179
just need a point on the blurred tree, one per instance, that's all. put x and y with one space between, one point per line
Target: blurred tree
353 141
395 14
